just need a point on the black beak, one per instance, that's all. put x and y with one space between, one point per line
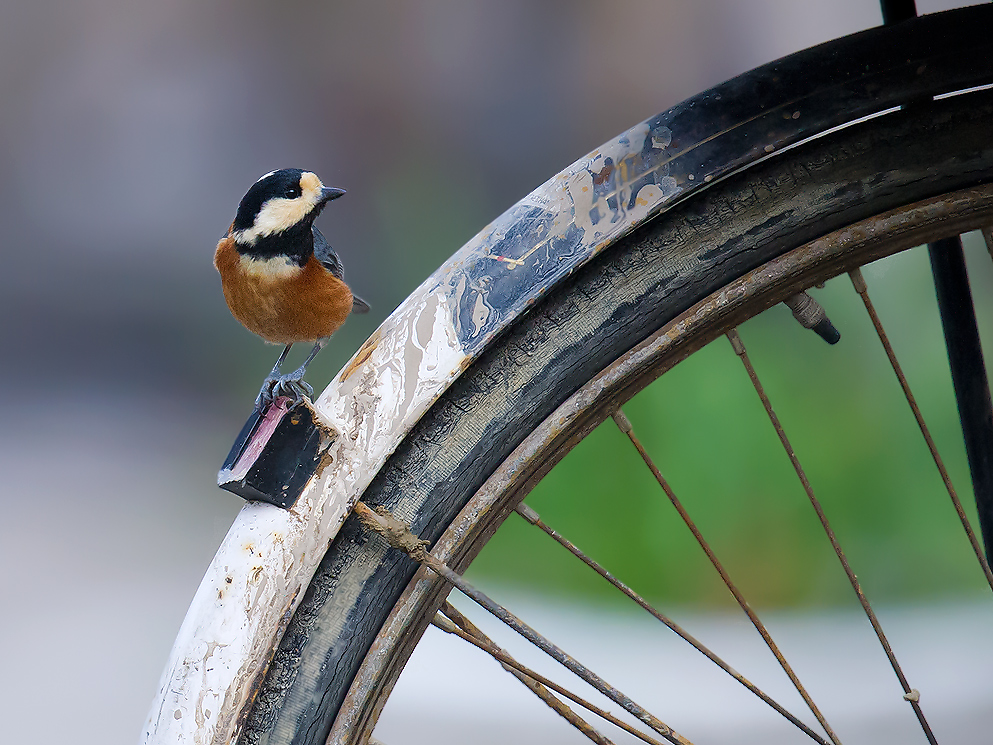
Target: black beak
330 192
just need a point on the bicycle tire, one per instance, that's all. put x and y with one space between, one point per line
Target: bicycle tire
225 677
613 303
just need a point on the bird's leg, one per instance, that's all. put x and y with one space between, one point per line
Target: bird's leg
292 384
266 395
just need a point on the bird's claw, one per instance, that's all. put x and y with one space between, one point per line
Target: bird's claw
291 386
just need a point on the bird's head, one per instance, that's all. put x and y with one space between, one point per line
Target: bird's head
281 205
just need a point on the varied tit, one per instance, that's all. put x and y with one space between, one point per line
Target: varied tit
281 278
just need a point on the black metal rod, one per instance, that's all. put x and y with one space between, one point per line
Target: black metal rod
965 357
895 11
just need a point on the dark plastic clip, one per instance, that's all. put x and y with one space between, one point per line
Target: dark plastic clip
276 454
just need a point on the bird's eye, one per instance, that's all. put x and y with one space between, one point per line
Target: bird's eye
292 193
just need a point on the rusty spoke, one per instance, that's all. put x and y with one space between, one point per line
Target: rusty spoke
910 695
535 519
451 621
624 424
536 687
860 287
398 535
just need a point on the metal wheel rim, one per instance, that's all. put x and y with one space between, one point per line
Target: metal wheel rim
825 258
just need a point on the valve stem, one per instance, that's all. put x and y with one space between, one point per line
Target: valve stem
811 315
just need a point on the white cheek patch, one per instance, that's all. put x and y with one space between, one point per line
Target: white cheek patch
269 270
279 214
310 185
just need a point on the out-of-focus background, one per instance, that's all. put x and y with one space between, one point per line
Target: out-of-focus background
128 133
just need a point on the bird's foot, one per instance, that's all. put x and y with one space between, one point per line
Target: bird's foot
291 386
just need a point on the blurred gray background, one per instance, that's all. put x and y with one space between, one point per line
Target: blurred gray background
128 133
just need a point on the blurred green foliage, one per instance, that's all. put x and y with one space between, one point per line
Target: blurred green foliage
851 428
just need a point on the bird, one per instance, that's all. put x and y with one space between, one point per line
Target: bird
280 277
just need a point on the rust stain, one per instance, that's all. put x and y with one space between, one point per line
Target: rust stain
362 356
326 459
603 174
329 432
256 681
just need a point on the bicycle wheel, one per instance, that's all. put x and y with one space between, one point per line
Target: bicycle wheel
784 225
747 227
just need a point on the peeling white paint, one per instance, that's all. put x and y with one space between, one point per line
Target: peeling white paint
269 555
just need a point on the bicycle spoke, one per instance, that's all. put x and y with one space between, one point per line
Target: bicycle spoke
624 424
398 535
860 287
910 695
534 519
451 621
540 690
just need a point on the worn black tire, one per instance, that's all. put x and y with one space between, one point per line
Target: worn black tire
626 294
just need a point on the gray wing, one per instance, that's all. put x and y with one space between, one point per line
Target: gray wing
329 259
326 255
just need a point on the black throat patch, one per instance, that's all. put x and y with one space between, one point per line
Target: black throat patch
295 243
